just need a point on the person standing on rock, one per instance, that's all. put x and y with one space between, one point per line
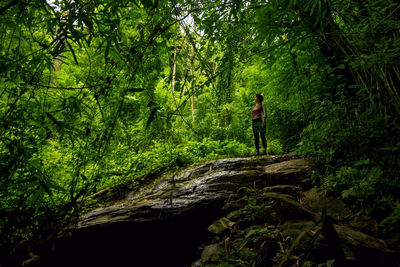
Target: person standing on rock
258 117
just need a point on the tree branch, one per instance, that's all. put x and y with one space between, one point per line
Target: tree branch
67 88
5 8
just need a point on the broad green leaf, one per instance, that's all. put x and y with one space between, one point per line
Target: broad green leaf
151 116
72 52
134 90
313 6
107 50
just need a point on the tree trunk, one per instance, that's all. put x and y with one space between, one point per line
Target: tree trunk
335 49
191 82
58 59
174 72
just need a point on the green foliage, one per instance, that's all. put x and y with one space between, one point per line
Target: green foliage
166 156
391 223
353 182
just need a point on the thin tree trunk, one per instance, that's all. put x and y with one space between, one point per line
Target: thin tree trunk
173 72
58 60
191 82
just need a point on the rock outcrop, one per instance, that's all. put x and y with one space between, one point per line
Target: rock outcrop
282 225
164 223
200 187
258 209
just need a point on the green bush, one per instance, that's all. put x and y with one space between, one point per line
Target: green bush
391 223
164 155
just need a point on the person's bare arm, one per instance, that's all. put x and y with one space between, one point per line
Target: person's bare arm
264 114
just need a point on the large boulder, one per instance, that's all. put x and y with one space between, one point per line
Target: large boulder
201 186
164 223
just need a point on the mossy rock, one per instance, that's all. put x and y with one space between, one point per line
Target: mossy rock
220 225
211 254
289 207
292 190
317 200
293 229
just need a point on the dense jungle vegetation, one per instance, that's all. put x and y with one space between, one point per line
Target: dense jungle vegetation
95 92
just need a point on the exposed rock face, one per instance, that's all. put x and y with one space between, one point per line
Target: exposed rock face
163 224
225 202
199 187
282 225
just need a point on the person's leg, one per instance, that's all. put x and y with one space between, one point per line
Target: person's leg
256 139
264 140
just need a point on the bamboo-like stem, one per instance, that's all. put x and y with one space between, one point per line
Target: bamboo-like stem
174 72
191 82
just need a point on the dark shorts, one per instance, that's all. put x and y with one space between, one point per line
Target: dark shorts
258 128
